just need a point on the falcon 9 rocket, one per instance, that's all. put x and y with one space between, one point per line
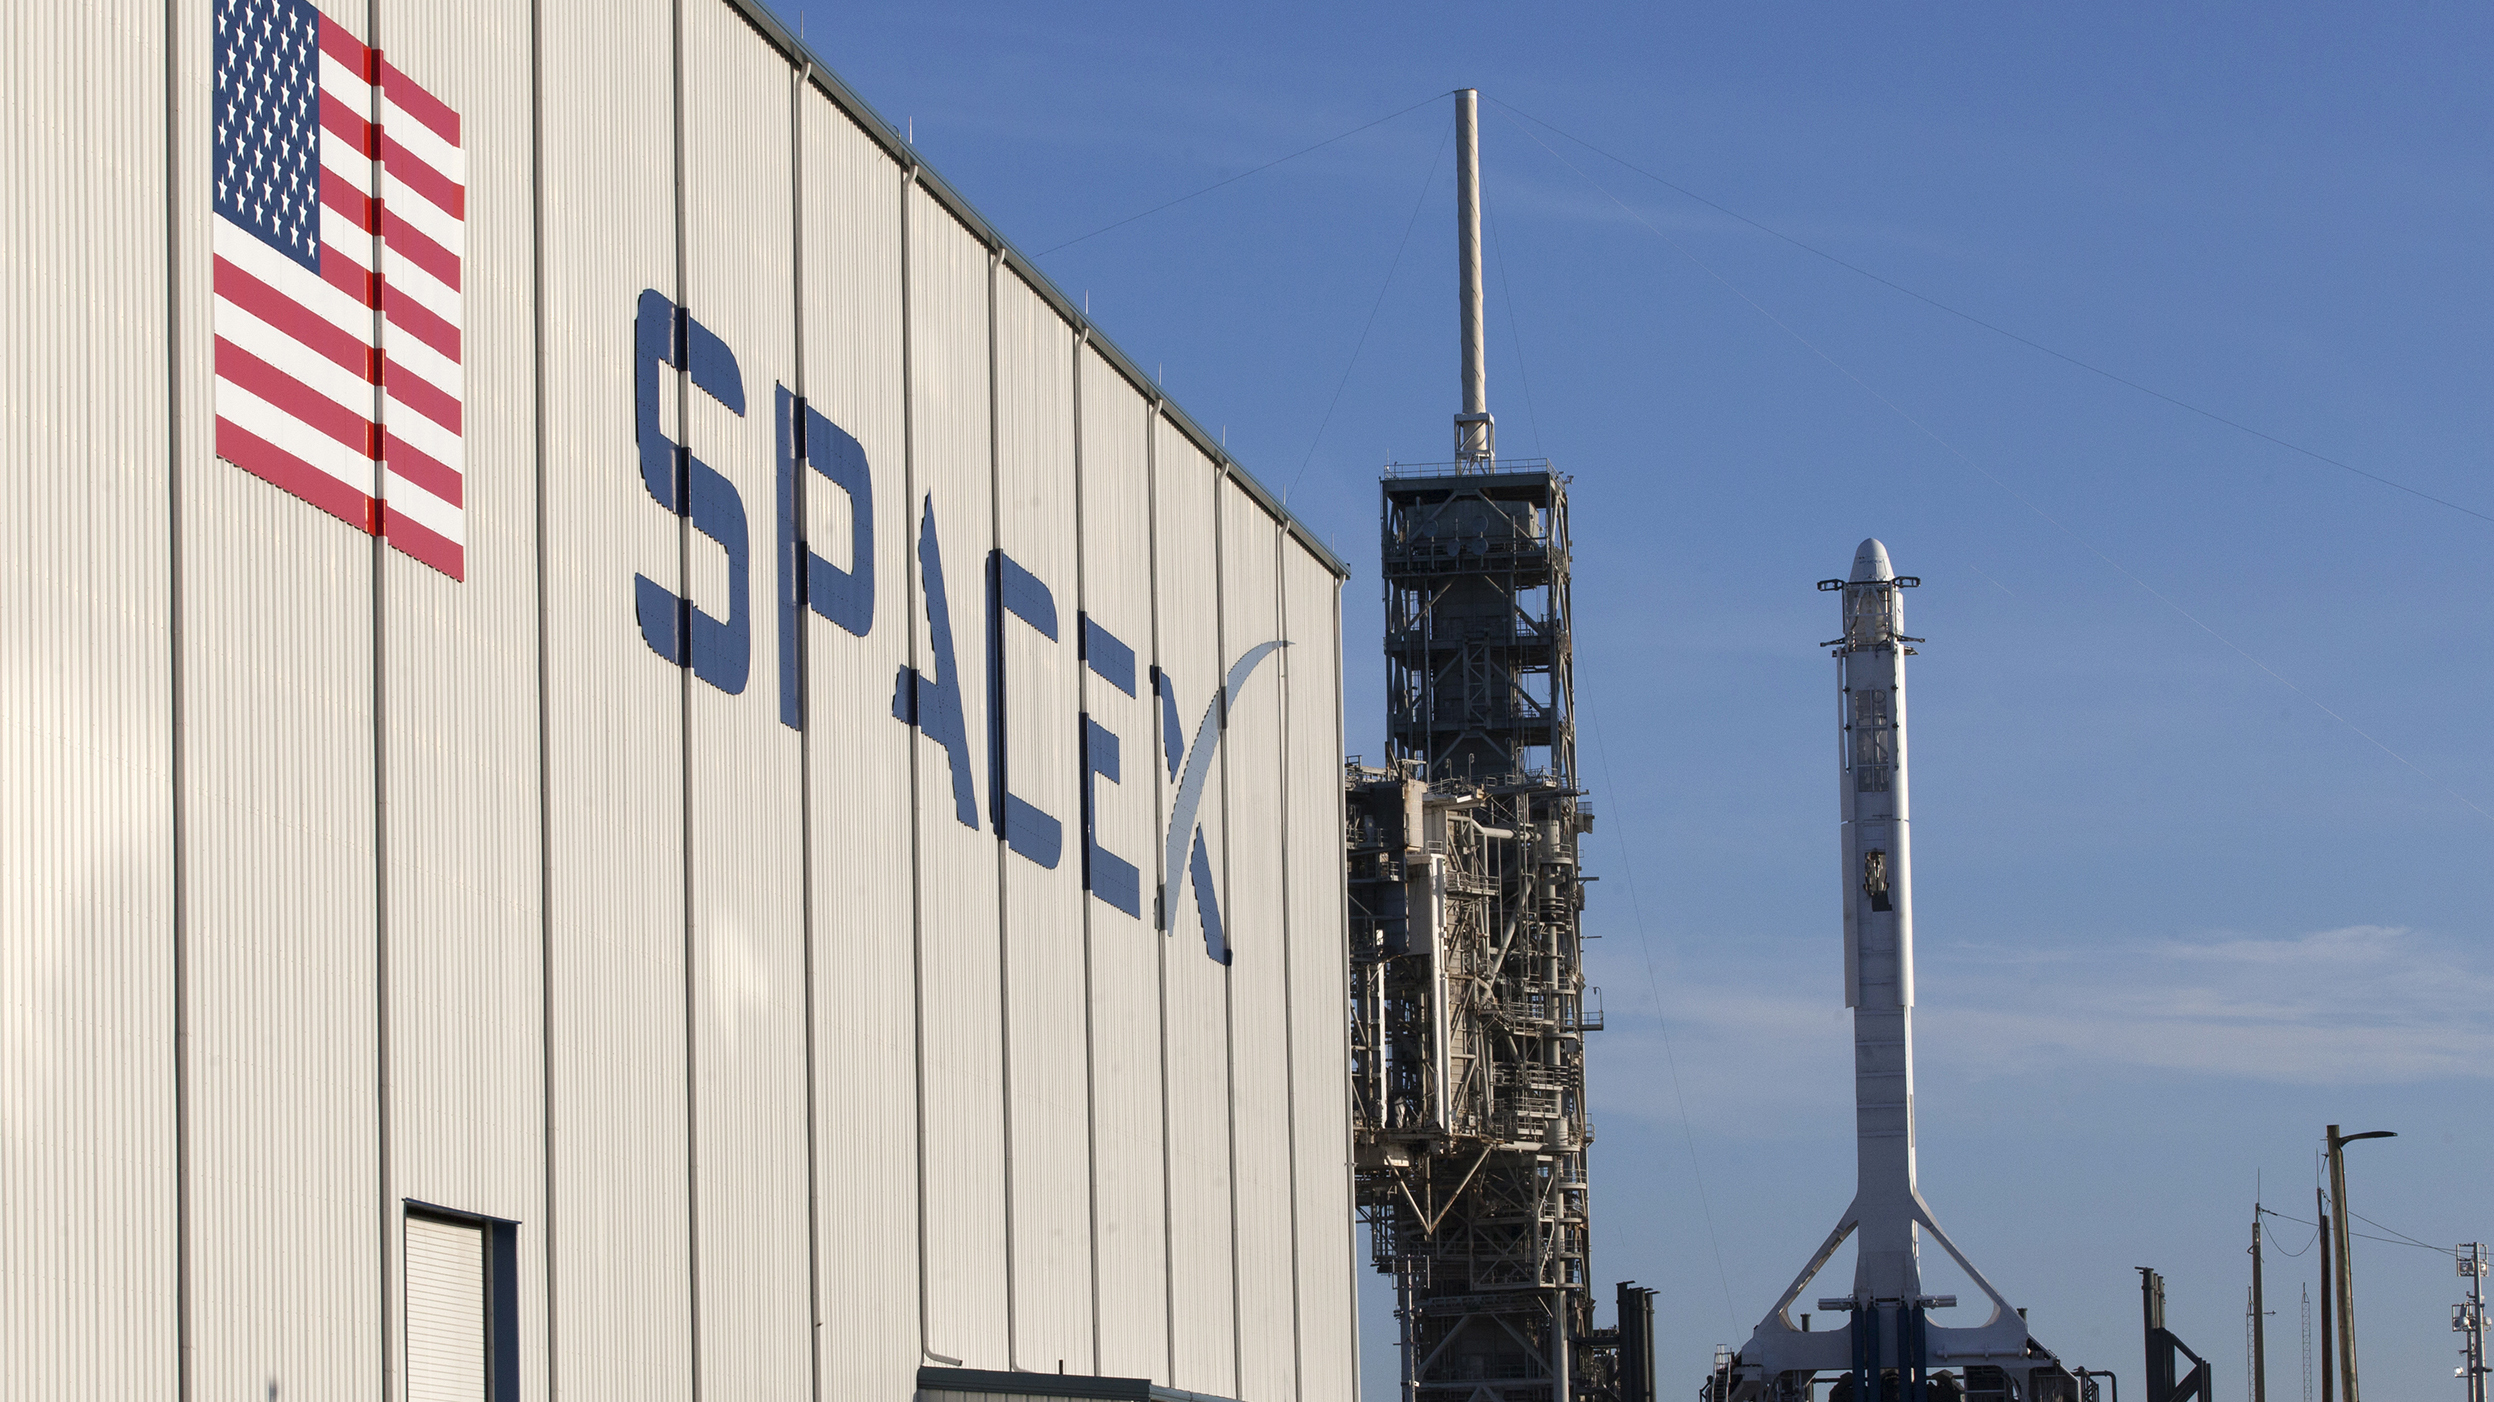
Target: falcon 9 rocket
1887 1349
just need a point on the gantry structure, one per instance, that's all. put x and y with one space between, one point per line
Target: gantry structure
1468 997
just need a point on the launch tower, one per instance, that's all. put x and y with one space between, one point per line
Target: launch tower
1468 999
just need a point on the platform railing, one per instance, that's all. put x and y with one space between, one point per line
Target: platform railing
1465 469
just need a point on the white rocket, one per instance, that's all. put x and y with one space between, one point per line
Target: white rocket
1885 1324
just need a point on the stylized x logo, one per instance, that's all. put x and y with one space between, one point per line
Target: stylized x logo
1175 864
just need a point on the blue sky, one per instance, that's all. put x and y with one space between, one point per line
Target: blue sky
2203 769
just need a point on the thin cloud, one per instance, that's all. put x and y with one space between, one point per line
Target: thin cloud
2358 1005
2364 1004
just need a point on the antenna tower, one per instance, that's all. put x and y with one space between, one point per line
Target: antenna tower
2307 1344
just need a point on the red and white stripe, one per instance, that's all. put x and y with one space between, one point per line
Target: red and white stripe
300 373
423 219
296 364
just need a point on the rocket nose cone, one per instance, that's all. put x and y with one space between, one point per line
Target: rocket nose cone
1870 563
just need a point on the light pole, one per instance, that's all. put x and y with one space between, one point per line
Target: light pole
2344 1263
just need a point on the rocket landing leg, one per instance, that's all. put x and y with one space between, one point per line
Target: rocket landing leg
1888 1348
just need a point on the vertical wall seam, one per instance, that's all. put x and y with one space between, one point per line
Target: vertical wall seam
545 782
1160 907
383 1148
1290 1034
1342 960
999 758
1160 904
917 894
684 731
1082 711
1229 971
805 739
179 754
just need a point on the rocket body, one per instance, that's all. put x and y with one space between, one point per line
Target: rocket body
1879 920
1887 1326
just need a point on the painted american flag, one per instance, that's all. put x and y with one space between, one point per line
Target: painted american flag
339 197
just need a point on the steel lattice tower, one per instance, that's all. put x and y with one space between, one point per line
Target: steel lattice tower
1469 1003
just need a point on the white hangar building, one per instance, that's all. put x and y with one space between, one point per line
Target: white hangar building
633 765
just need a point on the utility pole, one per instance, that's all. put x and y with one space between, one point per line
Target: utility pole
2329 1252
2343 1258
2260 1324
2468 1317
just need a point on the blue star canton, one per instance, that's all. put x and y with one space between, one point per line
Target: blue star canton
265 174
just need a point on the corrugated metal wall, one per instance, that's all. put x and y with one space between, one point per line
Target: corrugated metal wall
462 930
858 773
279 934
1320 1050
951 484
1047 1106
1128 1089
1256 916
744 817
1204 1339
618 1218
764 995
86 713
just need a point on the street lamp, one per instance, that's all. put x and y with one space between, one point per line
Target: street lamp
2344 1264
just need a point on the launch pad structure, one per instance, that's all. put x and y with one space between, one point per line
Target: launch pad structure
1468 998
1469 1006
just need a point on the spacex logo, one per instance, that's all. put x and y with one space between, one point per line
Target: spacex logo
719 651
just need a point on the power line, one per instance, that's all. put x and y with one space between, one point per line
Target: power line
1998 330
1268 165
1425 187
2402 1236
1499 247
2399 1240
1628 868
2273 1233
1962 456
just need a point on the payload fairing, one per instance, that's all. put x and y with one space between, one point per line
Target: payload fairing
1887 1348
